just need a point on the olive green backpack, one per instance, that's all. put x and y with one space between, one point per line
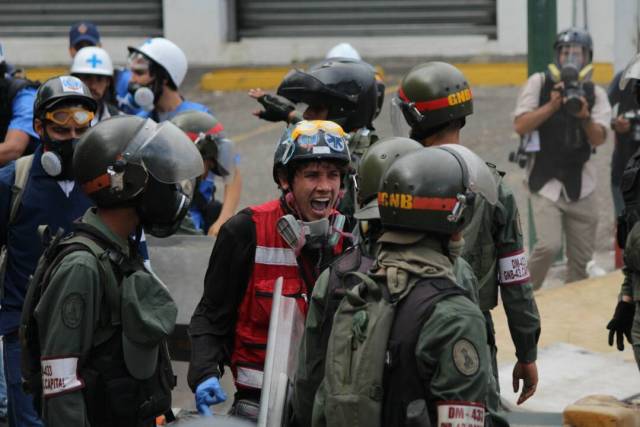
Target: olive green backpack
354 367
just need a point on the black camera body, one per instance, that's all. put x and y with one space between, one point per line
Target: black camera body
573 90
633 116
519 156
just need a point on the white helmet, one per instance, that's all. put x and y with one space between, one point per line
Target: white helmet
92 60
166 54
343 50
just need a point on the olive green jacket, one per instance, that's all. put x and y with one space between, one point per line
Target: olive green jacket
495 233
455 319
73 317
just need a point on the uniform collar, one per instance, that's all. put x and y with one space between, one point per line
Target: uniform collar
91 218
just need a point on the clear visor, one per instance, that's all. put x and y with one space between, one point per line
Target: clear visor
631 72
399 124
227 158
166 152
481 179
572 54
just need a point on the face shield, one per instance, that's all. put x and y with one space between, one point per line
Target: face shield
479 176
399 124
165 152
222 152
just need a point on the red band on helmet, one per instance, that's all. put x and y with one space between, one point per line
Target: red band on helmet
96 184
434 203
436 104
213 131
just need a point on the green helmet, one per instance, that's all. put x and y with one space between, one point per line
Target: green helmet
128 161
431 95
372 166
62 89
208 135
314 140
433 190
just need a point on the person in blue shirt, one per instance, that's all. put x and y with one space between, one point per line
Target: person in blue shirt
158 69
207 214
17 136
63 111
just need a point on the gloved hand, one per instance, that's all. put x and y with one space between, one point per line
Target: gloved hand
209 392
275 109
620 325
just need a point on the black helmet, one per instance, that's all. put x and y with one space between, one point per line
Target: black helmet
372 167
430 96
62 89
347 87
433 189
130 161
315 140
575 36
208 135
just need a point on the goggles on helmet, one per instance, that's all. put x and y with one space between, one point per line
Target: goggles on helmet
308 132
138 62
63 116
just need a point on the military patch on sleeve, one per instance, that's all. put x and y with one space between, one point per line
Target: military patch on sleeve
465 357
72 310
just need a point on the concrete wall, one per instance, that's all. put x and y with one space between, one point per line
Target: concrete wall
200 26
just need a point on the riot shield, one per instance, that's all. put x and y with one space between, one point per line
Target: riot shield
181 262
286 327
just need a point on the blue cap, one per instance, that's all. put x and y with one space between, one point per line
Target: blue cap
84 31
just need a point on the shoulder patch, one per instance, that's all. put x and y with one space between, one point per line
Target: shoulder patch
465 357
73 310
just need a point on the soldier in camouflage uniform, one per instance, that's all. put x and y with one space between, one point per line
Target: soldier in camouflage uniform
433 99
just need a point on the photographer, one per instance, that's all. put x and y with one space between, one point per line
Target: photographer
625 122
564 116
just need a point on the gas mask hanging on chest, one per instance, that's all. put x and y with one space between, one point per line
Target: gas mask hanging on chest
311 234
57 158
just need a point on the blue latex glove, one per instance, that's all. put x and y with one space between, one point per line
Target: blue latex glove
209 392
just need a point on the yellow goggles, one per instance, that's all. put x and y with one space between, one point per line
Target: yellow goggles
312 127
63 116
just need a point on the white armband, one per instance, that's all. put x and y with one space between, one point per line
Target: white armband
513 269
60 375
458 413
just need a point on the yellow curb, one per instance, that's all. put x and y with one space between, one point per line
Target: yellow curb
478 74
515 73
45 73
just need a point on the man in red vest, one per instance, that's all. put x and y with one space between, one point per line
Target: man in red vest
230 325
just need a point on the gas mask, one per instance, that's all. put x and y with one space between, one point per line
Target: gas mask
312 234
163 206
143 96
57 157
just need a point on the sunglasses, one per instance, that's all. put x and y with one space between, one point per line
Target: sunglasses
62 117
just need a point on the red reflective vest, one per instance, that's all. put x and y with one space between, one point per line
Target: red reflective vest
273 258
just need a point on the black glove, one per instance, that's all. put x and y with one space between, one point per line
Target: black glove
620 325
275 109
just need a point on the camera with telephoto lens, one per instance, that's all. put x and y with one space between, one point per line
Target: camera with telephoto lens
573 91
633 116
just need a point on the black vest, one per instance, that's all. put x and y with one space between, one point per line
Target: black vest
9 88
402 380
564 148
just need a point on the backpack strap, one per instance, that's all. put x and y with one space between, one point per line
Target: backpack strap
107 260
23 167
